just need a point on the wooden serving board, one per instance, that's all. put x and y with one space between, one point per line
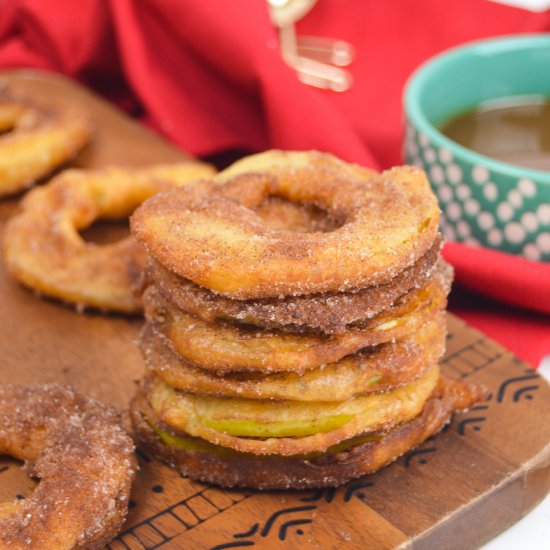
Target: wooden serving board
456 491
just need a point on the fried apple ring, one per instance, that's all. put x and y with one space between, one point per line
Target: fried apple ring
225 347
349 459
371 370
83 458
383 223
331 313
40 137
249 425
43 249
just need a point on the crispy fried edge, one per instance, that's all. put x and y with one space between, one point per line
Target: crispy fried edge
223 346
330 470
182 411
215 241
331 313
394 364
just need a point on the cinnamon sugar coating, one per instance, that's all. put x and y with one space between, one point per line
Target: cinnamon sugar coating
246 425
228 468
83 458
295 317
229 347
44 251
211 234
331 313
374 369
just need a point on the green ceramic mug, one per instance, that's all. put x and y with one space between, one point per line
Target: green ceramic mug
483 201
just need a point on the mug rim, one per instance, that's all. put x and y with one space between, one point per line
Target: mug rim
416 116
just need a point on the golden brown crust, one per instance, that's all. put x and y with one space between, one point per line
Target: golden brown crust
227 347
41 137
85 462
43 249
331 313
371 370
248 425
233 469
213 237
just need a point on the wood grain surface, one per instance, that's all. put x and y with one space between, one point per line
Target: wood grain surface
486 470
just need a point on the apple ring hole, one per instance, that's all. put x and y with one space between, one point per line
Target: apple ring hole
296 217
15 483
104 232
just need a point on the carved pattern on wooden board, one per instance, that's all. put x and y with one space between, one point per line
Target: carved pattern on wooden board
174 520
288 523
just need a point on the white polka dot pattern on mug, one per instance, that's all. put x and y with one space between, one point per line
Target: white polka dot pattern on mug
514 232
486 220
454 173
472 207
495 236
463 191
543 214
463 229
436 174
543 242
480 174
490 191
527 188
515 198
454 211
445 193
531 252
445 156
429 155
529 221
505 212
478 207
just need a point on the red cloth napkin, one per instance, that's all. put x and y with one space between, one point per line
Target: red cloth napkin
210 77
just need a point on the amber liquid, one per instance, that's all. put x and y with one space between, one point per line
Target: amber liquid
513 129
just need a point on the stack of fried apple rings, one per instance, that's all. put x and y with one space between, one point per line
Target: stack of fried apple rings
295 317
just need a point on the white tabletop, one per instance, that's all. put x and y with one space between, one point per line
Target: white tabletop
531 533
